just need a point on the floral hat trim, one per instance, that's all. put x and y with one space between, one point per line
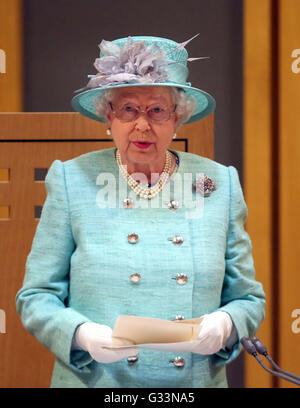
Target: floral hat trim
135 62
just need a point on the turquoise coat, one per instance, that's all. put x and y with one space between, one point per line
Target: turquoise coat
80 263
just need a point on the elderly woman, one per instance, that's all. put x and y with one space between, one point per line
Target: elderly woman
119 234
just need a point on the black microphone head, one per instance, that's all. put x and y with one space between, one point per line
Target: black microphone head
248 346
260 347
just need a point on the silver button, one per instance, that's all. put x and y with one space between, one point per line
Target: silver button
177 240
135 277
132 359
179 362
179 317
133 238
181 278
128 202
173 205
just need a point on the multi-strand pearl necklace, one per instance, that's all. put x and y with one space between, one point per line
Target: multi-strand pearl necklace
138 187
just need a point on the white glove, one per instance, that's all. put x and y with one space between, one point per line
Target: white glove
92 337
215 330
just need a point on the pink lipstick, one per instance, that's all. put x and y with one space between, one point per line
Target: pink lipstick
142 145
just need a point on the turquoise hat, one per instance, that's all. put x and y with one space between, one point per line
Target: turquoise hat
141 61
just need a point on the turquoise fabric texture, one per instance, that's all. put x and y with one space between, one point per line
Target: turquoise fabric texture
80 263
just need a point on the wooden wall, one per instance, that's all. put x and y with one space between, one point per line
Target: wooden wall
11 49
257 162
272 171
289 182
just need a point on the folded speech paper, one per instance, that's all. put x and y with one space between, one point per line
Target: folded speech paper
156 334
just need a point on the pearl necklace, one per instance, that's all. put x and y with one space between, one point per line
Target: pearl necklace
138 187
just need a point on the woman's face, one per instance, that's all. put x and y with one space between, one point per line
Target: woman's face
125 134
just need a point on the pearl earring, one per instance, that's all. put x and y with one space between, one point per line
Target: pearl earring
174 137
108 132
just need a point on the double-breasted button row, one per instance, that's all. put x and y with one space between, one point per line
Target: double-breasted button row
181 278
129 203
176 239
178 361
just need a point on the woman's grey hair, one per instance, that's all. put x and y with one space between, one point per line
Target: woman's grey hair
185 104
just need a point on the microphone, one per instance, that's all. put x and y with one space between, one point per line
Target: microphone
251 349
262 349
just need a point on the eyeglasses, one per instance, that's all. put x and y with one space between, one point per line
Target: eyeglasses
129 112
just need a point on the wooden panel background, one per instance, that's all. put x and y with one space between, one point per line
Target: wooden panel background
11 82
257 164
272 173
289 194
35 140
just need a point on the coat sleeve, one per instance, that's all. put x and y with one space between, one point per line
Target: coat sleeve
242 296
42 302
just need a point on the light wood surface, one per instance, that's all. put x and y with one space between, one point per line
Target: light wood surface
257 164
272 173
69 125
11 38
289 197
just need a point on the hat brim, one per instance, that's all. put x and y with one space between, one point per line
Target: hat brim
84 101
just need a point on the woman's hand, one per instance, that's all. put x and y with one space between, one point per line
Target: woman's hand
215 331
92 337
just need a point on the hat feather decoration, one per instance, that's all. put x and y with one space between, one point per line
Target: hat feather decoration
133 63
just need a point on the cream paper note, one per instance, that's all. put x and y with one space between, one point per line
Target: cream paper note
155 334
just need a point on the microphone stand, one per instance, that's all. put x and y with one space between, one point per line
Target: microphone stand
262 349
249 346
